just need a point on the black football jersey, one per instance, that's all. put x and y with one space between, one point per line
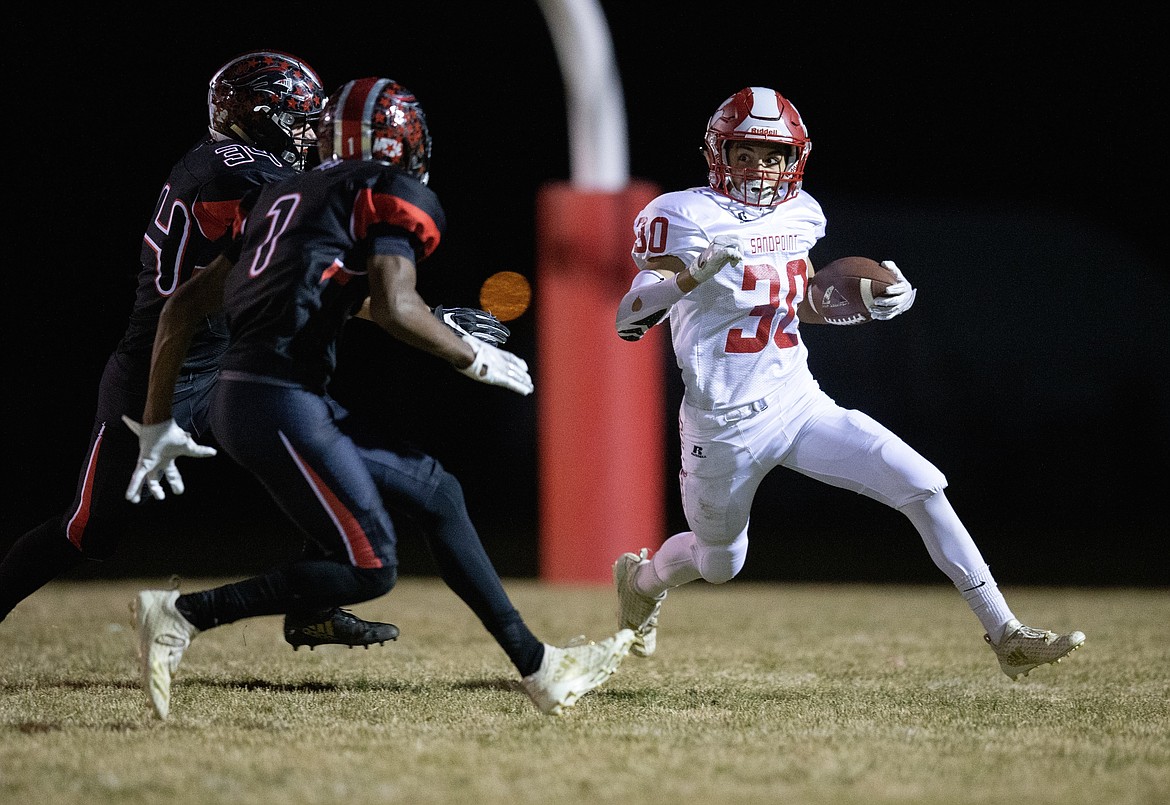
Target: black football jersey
301 270
192 222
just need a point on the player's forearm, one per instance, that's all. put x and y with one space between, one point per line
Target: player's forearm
171 343
196 299
649 300
407 318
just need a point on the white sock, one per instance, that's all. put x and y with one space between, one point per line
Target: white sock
671 565
982 594
954 553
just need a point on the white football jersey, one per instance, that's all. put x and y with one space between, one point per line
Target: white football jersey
735 336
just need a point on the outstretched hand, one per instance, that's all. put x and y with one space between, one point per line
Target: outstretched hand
158 447
896 299
497 367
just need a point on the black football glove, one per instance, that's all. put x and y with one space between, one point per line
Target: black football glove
473 322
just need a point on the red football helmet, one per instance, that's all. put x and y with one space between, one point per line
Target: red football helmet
376 119
267 99
756 114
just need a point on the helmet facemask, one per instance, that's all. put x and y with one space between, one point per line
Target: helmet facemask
741 176
287 136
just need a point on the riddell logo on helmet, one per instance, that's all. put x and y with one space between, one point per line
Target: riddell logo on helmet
765 130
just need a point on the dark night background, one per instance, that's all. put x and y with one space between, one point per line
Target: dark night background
1005 159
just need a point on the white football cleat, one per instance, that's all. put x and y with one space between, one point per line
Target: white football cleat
1022 648
567 674
163 636
636 611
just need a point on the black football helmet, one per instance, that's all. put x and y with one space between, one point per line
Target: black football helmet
268 99
376 119
756 114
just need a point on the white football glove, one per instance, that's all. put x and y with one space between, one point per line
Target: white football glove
497 367
722 251
158 447
897 298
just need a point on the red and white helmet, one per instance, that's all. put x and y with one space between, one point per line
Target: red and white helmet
376 119
756 114
268 99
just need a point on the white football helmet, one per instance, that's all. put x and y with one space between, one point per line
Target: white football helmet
756 114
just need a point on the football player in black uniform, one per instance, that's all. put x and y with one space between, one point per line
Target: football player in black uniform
261 107
312 250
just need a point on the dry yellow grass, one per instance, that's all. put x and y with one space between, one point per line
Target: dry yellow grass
759 693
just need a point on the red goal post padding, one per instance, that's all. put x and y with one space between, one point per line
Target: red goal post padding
599 399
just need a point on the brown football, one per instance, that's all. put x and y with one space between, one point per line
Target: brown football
842 291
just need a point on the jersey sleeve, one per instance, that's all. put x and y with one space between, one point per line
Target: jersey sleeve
234 243
665 226
217 207
396 208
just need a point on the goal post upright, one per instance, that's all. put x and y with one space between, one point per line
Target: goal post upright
599 400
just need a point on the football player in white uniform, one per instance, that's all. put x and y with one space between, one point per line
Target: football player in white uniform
729 264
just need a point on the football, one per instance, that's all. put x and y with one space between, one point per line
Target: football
842 291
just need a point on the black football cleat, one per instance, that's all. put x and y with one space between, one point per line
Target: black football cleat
335 627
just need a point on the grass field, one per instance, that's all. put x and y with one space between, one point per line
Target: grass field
759 693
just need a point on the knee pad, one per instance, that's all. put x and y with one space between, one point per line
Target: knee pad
916 478
375 581
721 563
432 505
449 491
